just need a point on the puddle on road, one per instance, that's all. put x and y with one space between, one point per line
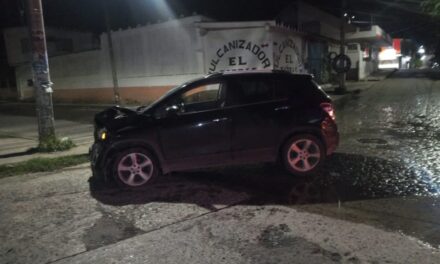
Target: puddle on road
109 229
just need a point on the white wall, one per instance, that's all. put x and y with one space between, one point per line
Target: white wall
255 45
364 67
170 53
169 48
289 52
238 49
375 34
355 55
163 54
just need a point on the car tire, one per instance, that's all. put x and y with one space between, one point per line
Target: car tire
135 168
303 154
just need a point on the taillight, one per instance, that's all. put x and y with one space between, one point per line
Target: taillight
328 108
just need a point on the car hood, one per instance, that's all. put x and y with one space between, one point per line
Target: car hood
116 118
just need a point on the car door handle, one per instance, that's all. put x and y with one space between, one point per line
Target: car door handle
222 119
282 108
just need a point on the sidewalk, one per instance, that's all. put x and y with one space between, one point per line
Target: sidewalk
352 88
18 134
357 86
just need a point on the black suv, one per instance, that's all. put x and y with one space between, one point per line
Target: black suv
221 119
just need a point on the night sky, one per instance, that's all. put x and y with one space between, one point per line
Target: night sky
401 18
88 14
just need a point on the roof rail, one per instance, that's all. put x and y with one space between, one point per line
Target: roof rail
281 71
241 71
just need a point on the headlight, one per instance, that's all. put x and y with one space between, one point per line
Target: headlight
102 134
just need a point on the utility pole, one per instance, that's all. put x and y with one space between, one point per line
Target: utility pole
342 75
111 54
40 70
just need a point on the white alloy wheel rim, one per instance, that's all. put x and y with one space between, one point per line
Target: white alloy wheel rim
135 169
304 155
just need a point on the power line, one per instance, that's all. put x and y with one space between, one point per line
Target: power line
412 27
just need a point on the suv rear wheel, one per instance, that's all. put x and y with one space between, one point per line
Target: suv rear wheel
135 168
303 154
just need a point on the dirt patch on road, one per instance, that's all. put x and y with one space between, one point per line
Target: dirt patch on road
109 229
278 244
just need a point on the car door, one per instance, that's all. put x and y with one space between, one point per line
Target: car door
199 133
258 117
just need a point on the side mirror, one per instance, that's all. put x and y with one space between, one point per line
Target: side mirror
172 110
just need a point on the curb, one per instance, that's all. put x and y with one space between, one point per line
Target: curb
82 149
382 77
343 99
391 73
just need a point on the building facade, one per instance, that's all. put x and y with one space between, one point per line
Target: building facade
363 49
153 58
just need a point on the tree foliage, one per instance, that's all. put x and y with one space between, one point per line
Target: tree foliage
431 7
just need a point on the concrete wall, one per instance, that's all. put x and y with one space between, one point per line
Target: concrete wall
18 47
257 45
360 67
149 59
168 48
374 33
153 58
290 52
237 49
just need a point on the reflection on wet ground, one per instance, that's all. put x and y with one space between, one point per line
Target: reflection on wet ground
344 177
334 191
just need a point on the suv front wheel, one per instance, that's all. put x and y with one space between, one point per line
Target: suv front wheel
135 168
303 154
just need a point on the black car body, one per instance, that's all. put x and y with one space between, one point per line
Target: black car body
221 119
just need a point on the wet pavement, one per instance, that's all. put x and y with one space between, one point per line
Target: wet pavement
377 200
387 169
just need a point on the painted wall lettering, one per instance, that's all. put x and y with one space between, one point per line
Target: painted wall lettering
287 56
240 54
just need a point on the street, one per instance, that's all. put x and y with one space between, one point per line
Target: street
376 200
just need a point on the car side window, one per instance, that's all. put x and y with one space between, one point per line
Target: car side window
161 111
284 88
202 94
199 98
249 91
297 90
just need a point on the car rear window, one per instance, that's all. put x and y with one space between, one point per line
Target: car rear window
300 89
249 90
